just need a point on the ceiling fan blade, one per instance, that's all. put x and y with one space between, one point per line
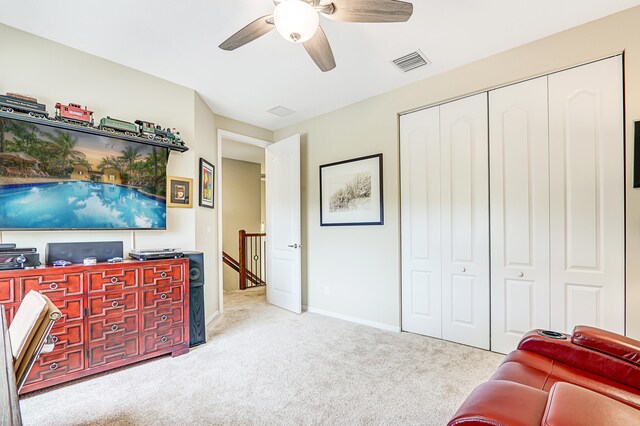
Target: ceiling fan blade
370 11
256 29
320 51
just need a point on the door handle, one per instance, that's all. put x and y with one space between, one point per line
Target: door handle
295 246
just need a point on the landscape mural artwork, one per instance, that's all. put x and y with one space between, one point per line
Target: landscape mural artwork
53 178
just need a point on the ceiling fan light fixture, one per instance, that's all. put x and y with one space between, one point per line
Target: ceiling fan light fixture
296 20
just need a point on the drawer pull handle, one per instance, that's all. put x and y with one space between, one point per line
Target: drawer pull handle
114 280
163 296
55 339
164 339
53 286
163 318
114 327
163 275
54 366
114 303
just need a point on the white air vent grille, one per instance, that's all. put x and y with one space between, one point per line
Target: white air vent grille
281 111
411 61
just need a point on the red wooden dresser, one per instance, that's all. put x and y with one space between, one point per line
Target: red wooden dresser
112 315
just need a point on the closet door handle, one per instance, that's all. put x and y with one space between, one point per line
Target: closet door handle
521 274
464 269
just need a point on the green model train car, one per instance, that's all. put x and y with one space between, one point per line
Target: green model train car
115 125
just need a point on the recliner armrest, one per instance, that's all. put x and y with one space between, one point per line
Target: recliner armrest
584 358
607 342
502 403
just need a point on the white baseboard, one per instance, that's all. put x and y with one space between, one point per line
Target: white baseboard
212 317
373 324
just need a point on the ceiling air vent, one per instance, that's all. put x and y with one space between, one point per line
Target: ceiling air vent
411 61
281 111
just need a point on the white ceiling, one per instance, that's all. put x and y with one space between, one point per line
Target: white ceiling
270 71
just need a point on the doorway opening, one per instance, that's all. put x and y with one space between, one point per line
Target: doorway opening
242 217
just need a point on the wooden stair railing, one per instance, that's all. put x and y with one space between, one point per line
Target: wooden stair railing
230 261
253 273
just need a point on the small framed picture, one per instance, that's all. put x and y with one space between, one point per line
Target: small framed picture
207 174
351 192
179 192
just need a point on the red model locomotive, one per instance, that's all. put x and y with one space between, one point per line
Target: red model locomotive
74 113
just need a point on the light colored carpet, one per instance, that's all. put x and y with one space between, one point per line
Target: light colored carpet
265 366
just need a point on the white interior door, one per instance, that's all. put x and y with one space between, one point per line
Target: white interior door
284 276
420 205
586 143
465 221
519 187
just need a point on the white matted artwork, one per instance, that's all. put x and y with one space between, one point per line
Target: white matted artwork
351 192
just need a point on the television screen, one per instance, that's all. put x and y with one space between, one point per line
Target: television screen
53 178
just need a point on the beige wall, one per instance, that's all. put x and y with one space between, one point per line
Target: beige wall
355 271
241 207
53 72
206 237
241 128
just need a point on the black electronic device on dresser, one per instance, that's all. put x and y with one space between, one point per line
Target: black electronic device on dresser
12 257
197 326
77 252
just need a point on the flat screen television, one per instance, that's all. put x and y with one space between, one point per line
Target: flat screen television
55 178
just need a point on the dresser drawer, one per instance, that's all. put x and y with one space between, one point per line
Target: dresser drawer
115 349
56 364
112 304
119 279
158 297
112 338
162 338
70 309
67 335
162 318
162 275
10 311
106 329
54 286
7 286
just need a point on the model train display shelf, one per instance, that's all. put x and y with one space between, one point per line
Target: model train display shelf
75 117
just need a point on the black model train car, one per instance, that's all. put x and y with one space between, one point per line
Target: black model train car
12 102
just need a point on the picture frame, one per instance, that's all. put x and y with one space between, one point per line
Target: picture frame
351 192
636 155
207 180
179 192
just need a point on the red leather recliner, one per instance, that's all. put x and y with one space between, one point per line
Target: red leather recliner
589 378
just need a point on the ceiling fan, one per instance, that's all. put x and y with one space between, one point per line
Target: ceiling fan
298 21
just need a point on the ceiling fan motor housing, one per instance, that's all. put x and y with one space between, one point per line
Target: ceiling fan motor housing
296 20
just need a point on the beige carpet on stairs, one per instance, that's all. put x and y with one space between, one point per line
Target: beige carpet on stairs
265 366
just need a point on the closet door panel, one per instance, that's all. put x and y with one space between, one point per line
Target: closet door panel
587 196
420 205
465 221
519 187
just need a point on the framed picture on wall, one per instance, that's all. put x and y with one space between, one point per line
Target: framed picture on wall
179 192
636 156
207 174
351 192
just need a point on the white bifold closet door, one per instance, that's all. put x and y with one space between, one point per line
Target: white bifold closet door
421 246
465 221
587 196
519 163
445 222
